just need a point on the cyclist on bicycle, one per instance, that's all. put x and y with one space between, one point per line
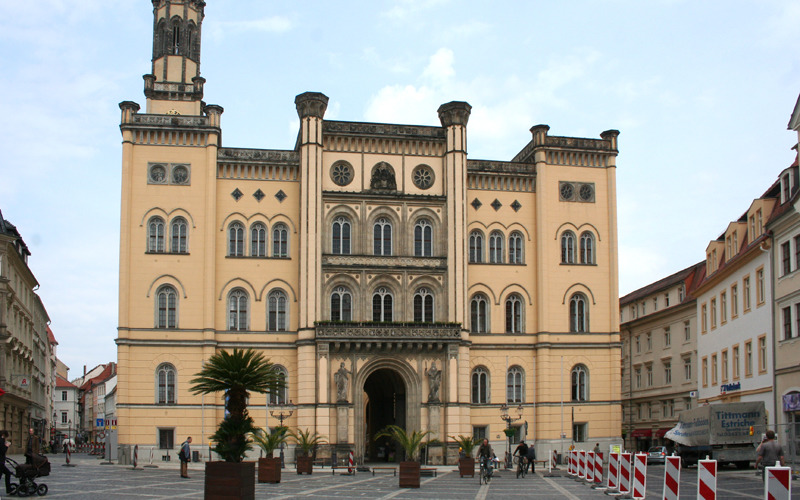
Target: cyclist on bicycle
522 453
485 454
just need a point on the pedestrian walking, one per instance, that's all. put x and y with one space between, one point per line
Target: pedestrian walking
33 447
4 444
769 453
185 454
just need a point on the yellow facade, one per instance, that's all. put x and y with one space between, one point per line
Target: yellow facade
358 250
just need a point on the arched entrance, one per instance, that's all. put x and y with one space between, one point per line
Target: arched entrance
390 393
384 404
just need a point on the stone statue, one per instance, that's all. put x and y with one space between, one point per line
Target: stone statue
340 377
434 381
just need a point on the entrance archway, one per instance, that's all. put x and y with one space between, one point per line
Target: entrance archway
384 404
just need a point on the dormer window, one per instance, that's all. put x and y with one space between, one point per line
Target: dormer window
786 187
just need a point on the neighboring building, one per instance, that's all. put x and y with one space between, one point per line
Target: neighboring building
734 310
659 357
91 400
785 228
24 344
65 413
390 277
50 376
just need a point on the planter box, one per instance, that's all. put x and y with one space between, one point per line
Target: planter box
466 467
230 480
305 465
409 474
269 470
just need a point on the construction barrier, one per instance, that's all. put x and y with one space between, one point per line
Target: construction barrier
613 473
581 464
707 480
589 467
777 483
350 468
672 478
638 491
572 468
554 459
598 471
135 455
625 474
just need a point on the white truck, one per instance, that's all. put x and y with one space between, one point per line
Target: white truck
726 432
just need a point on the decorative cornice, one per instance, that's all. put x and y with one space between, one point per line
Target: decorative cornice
388 332
264 155
381 261
383 130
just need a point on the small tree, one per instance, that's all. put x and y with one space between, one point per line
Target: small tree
269 442
409 442
466 443
236 375
307 441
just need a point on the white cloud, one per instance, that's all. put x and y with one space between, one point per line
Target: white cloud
271 24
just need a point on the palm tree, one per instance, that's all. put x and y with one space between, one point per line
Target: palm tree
409 442
466 443
306 440
236 375
270 441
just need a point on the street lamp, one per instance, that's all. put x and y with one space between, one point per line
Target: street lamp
507 418
282 412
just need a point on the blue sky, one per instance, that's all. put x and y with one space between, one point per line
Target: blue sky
701 92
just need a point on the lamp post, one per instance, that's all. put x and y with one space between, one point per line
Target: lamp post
282 412
507 418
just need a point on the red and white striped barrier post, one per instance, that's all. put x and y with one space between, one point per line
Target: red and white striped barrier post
777 483
625 474
581 464
613 473
639 476
572 469
554 460
707 480
598 472
350 468
589 467
672 478
135 456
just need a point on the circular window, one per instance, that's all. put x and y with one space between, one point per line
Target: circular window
158 174
342 173
567 191
586 192
422 176
180 175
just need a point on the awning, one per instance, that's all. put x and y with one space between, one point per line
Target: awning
661 432
642 433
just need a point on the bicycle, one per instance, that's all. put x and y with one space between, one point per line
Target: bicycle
521 468
485 474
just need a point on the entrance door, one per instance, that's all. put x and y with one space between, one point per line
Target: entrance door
385 404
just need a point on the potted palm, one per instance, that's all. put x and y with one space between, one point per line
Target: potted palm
235 375
269 468
466 463
307 442
409 469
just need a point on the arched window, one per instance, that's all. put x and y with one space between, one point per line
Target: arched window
180 233
166 307
587 248
479 321
236 239
280 241
568 247
280 396
165 378
423 306
382 237
515 253
176 39
341 236
341 305
496 247
258 240
514 314
423 238
237 310
480 386
476 247
155 234
382 305
515 385
276 314
578 314
580 383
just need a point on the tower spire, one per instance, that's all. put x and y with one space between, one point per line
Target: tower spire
174 84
